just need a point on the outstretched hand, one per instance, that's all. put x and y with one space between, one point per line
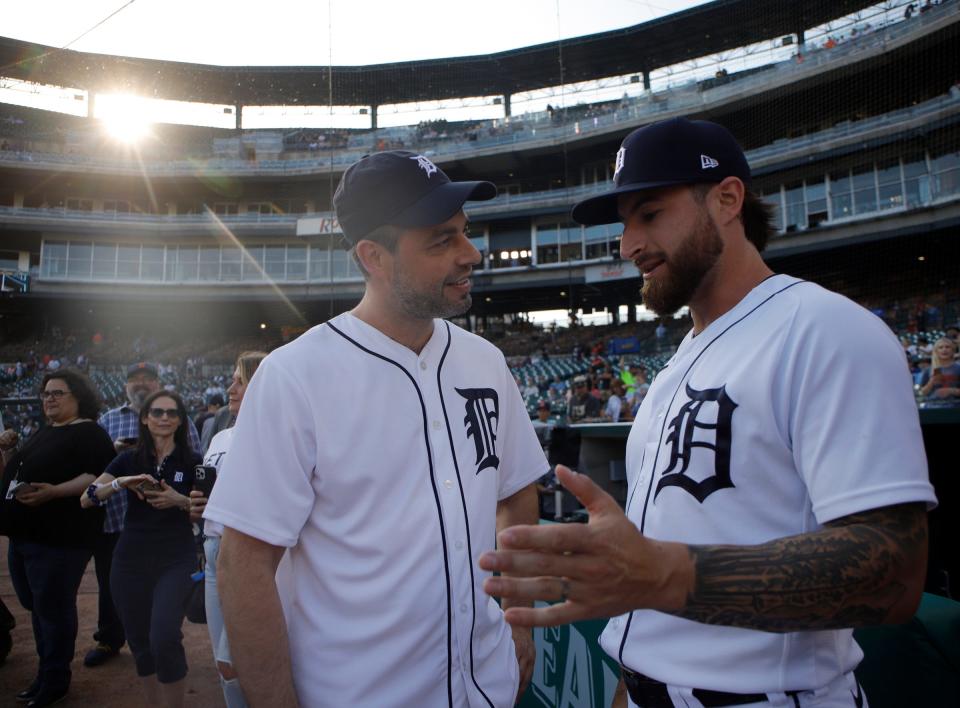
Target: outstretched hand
600 569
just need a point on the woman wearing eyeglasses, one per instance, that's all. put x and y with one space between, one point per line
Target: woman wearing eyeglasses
51 537
154 558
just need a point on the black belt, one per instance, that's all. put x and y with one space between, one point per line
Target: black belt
650 693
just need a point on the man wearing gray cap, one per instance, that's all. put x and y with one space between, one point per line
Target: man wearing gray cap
382 509
771 508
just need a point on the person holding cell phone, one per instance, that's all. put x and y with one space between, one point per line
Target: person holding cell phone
51 537
247 364
154 558
942 379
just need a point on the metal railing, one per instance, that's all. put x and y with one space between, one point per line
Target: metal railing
691 97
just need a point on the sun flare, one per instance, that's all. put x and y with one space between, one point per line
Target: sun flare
125 118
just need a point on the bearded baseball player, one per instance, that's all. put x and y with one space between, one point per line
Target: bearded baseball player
382 451
777 480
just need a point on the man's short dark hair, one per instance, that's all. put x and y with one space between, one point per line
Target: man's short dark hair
755 215
387 236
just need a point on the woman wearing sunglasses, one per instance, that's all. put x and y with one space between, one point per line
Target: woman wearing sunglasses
154 557
50 536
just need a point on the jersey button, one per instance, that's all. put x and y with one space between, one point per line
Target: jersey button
463 607
436 425
423 365
459 545
448 483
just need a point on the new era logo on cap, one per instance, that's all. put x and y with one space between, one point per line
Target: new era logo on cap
706 162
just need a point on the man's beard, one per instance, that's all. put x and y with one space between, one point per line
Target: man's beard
684 270
137 397
422 305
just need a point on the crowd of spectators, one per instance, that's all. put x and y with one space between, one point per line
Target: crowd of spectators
545 361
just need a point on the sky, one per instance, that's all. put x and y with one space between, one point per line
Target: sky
317 32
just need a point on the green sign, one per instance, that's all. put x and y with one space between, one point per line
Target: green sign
572 671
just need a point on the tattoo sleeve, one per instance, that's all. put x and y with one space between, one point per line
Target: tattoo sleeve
858 570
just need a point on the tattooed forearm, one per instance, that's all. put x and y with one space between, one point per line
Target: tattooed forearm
862 569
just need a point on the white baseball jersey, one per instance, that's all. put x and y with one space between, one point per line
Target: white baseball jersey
380 469
792 409
214 457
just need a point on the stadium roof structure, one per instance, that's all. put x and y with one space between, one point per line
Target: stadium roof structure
699 31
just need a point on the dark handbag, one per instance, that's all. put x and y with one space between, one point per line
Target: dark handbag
196 602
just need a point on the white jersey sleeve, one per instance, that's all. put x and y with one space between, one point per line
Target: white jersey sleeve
524 461
266 489
852 421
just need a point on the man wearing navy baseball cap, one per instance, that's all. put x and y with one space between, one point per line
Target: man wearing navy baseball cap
772 508
398 444
682 158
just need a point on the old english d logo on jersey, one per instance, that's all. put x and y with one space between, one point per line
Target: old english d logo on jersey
696 415
481 420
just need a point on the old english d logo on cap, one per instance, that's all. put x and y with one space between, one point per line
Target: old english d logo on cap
621 156
675 151
401 188
424 164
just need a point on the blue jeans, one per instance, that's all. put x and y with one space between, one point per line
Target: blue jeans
232 694
109 629
46 580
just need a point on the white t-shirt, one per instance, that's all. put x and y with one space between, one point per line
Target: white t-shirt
219 446
793 409
381 470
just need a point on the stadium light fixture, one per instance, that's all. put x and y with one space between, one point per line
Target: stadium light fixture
263 325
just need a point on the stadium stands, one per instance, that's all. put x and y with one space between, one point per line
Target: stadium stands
851 123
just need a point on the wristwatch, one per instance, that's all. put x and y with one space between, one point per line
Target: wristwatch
92 494
115 485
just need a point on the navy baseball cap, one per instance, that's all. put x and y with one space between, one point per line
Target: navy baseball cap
401 188
674 151
142 367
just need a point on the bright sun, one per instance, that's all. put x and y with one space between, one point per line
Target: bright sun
125 118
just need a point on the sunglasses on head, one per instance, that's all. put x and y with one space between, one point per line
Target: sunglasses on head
161 412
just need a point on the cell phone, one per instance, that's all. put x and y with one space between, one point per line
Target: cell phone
23 488
204 477
148 487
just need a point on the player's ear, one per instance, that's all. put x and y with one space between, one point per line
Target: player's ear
372 256
727 202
